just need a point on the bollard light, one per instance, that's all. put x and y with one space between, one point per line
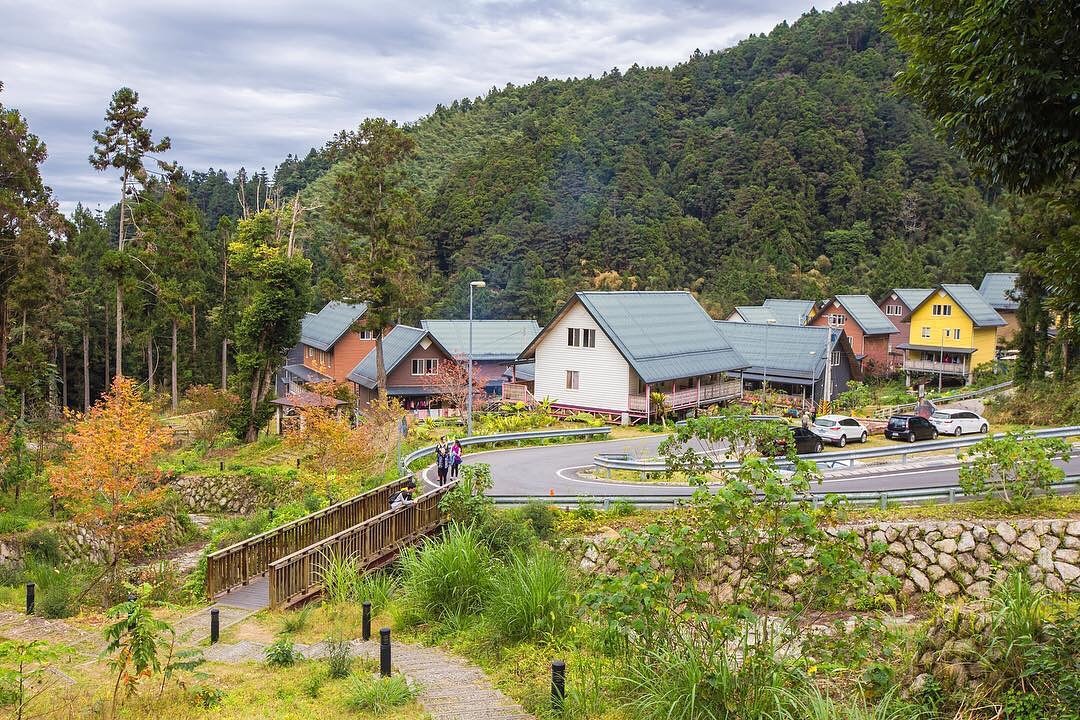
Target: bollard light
365 627
215 625
384 652
558 685
30 588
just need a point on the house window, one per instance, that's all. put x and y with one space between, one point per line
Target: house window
425 366
948 333
367 334
942 310
895 310
315 358
572 378
956 333
926 332
581 337
837 320
836 358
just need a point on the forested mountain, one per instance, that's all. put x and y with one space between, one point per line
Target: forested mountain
782 166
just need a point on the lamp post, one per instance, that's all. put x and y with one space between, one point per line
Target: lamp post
941 361
813 381
765 368
469 397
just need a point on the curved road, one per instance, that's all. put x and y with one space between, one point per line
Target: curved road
552 469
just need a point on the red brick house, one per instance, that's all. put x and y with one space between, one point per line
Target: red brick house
329 347
411 358
869 331
897 306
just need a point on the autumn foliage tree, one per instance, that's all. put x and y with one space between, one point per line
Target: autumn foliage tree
108 479
331 447
452 382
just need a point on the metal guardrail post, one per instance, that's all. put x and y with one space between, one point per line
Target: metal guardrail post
952 496
883 500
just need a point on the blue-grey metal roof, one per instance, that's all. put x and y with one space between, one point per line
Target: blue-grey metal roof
525 372
790 312
867 314
755 313
780 350
912 297
303 372
974 305
492 339
324 328
663 335
999 290
397 344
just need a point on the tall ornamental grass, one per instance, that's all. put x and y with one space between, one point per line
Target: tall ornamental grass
447 577
530 597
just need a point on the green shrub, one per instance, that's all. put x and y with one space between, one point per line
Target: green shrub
377 695
540 517
530 597
10 523
282 652
206 697
43 546
294 621
448 576
338 657
585 510
505 534
55 589
621 507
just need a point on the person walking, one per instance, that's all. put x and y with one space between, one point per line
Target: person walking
806 420
442 459
455 458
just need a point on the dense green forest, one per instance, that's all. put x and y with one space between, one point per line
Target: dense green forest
784 166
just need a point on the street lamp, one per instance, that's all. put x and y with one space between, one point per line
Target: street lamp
765 368
813 381
469 398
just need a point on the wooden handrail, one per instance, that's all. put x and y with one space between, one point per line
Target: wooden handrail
236 564
298 575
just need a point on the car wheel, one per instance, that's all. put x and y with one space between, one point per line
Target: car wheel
957 432
911 436
933 435
984 429
819 447
863 438
842 441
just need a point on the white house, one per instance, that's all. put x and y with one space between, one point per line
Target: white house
607 352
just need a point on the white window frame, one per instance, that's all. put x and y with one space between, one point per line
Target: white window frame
836 358
366 334
941 309
573 380
426 366
926 331
837 319
573 337
588 337
894 310
956 333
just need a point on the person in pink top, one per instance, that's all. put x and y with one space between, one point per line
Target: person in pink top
455 458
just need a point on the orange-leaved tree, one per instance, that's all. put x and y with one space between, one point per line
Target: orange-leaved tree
330 447
108 479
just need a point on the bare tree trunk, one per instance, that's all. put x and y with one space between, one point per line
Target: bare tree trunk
3 337
63 378
150 364
86 367
108 372
119 283
380 366
175 400
224 364
194 336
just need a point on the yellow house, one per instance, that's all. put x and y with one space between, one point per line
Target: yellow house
953 331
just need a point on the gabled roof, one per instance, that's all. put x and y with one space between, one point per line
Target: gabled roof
972 303
788 347
912 297
755 313
307 399
492 339
999 290
397 344
790 312
867 314
323 329
662 335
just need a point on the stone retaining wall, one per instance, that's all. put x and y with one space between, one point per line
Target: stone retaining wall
954 558
220 493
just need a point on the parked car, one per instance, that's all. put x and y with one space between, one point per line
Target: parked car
805 442
910 428
840 429
958 422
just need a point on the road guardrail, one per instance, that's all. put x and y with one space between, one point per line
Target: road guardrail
623 461
882 498
884 413
509 438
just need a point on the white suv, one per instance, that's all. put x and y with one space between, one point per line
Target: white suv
840 429
958 422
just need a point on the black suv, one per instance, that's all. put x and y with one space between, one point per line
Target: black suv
805 442
910 428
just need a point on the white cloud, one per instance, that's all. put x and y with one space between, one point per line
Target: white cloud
246 82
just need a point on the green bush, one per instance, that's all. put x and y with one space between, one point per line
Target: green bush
43 546
338 657
505 534
377 695
10 523
55 588
530 597
449 576
282 652
540 517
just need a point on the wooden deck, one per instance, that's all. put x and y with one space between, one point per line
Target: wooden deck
253 596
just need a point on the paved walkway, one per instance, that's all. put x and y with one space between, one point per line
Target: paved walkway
450 688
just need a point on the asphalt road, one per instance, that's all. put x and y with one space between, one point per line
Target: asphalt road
552 469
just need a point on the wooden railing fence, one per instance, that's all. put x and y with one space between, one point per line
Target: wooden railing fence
298 576
237 564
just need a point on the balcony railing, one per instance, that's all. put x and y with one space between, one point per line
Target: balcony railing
935 366
516 392
691 397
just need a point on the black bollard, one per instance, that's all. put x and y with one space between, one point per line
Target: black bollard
215 625
384 652
297 463
271 512
30 587
221 466
558 685
365 627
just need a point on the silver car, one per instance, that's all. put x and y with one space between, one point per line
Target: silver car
840 429
958 422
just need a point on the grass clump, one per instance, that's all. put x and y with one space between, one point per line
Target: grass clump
338 658
377 695
344 581
530 597
282 653
448 577
293 622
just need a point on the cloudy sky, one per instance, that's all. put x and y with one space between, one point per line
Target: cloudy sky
244 82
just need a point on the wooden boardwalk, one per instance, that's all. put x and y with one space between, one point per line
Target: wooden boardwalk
254 596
